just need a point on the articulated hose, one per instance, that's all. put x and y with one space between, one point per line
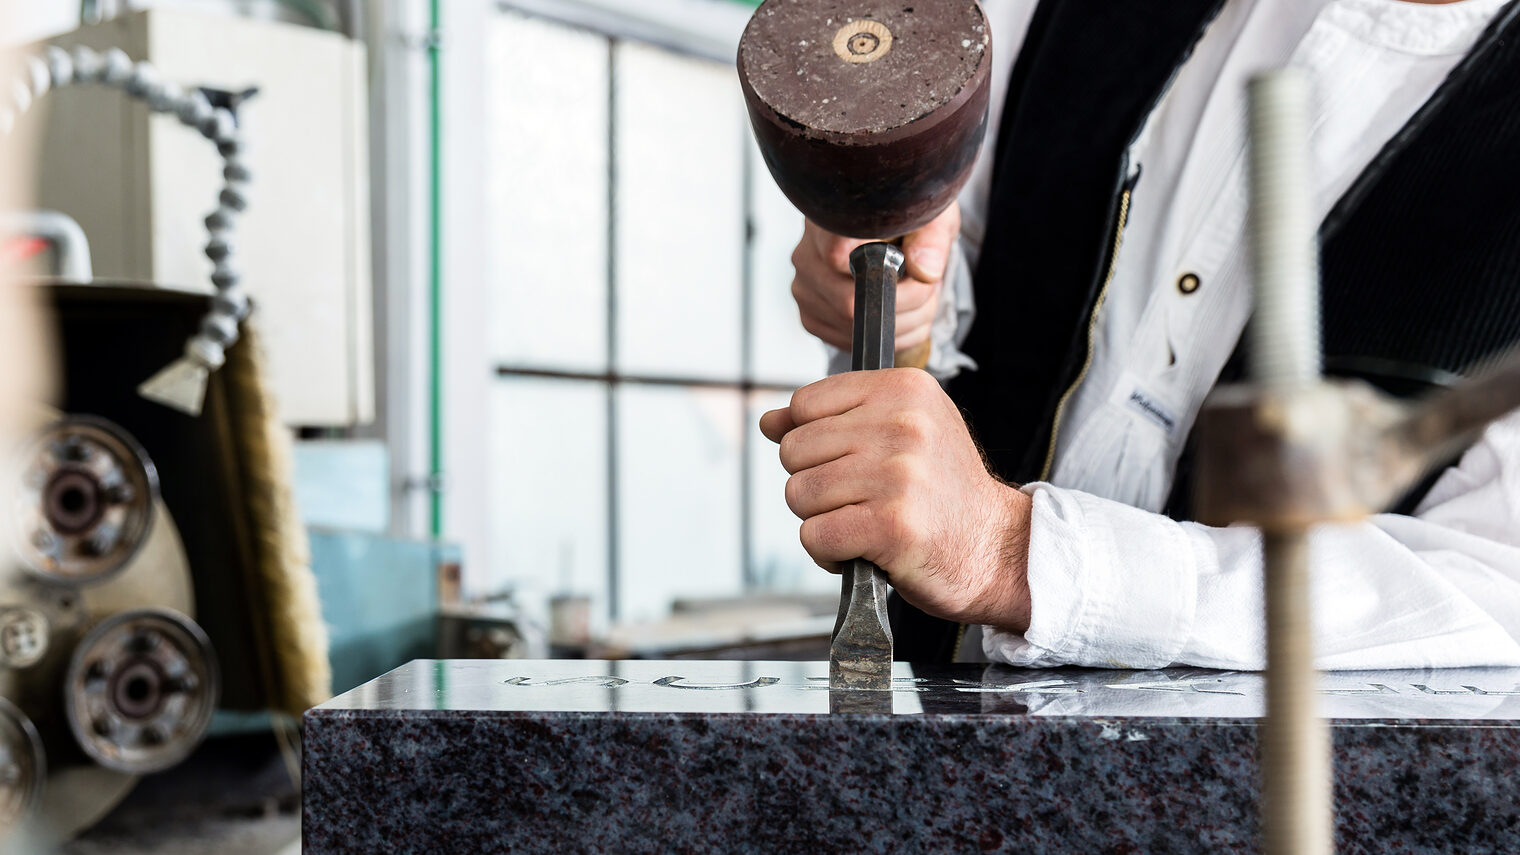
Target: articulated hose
181 384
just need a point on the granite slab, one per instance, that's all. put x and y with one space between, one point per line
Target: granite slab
730 757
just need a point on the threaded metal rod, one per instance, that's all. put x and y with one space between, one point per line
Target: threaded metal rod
1286 357
1285 331
1295 745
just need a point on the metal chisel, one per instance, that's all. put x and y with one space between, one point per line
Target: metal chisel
860 656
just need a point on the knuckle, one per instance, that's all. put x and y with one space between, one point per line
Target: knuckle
899 472
802 255
815 535
894 524
919 386
910 426
838 254
802 405
789 452
811 325
795 493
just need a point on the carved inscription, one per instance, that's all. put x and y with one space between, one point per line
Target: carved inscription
1366 689
1055 686
1043 687
1175 686
757 683
603 682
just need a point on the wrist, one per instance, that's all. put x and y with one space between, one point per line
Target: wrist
1005 600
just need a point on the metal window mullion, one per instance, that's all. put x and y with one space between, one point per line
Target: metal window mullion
614 537
746 371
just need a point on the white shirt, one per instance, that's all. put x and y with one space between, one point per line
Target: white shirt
1115 584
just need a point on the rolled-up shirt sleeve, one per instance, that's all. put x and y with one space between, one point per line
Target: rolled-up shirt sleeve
1113 586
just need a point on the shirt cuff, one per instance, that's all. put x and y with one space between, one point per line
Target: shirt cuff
1110 586
952 319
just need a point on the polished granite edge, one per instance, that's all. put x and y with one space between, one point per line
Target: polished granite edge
802 688
1020 773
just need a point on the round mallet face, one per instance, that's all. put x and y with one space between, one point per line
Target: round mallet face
869 114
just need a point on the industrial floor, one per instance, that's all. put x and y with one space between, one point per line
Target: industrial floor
234 796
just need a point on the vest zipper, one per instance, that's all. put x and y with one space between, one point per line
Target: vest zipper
1092 322
1120 222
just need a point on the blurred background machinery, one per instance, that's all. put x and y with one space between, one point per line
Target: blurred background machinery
437 297
107 675
139 185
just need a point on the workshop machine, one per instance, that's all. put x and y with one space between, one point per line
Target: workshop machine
105 671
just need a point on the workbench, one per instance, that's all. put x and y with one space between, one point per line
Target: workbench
715 757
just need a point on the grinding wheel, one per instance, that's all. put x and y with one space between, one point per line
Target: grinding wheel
868 113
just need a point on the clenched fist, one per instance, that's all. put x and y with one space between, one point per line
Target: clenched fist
883 468
825 290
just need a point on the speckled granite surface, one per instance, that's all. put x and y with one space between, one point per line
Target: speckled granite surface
676 757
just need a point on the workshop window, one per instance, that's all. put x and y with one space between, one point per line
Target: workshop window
642 322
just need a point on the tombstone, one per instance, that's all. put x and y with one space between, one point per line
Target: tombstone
719 757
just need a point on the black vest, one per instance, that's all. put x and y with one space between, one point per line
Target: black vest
1421 257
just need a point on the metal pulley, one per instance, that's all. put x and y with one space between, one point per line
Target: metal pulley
23 768
140 690
85 503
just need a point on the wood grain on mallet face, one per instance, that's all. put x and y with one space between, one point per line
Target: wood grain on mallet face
869 113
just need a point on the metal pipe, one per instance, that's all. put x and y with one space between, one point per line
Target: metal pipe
60 230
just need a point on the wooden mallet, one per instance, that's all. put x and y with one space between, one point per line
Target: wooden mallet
868 113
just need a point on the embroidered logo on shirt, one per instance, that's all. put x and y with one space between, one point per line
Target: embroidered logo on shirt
1152 409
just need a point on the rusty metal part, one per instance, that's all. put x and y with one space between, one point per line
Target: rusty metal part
140 690
1337 451
868 113
85 503
860 656
23 769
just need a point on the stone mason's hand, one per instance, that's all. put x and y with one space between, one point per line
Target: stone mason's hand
883 468
825 289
